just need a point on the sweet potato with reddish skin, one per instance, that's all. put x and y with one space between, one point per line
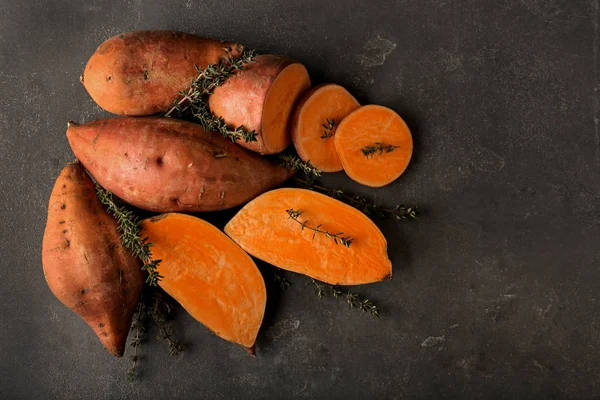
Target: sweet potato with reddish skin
164 164
321 107
142 73
385 133
261 97
264 229
209 275
85 264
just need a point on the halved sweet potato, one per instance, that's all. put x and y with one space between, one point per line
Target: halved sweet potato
142 73
315 122
261 97
85 264
374 145
209 275
266 229
165 164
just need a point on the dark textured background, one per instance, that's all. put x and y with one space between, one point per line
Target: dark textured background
499 278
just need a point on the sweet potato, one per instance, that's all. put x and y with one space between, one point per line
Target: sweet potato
348 250
85 264
142 73
209 275
163 164
261 98
374 145
315 121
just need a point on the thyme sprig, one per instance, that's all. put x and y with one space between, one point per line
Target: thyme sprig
336 237
295 163
161 311
193 99
328 128
354 301
400 212
284 284
139 327
129 227
369 151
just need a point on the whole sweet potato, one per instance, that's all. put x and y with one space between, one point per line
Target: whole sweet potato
142 73
164 164
85 264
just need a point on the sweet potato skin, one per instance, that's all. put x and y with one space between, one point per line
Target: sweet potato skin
264 229
240 101
141 73
164 164
84 262
209 275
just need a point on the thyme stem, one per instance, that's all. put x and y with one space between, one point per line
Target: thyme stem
352 299
295 163
369 151
344 240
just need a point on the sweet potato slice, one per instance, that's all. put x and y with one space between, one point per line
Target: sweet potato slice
315 122
164 164
374 145
209 275
85 264
142 73
261 97
264 229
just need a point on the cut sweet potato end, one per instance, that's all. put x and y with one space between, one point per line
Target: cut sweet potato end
323 107
379 127
264 229
209 275
283 94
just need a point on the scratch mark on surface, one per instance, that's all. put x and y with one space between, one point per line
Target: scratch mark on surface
376 51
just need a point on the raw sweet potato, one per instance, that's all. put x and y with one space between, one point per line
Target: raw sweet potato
374 145
209 275
261 98
279 227
85 264
142 73
315 121
163 164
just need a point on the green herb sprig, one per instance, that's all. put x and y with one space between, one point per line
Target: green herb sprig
370 151
400 212
284 284
354 301
129 227
295 163
161 311
139 327
328 128
193 100
336 237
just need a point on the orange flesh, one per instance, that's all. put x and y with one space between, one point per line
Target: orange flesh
209 275
281 98
331 102
365 127
264 230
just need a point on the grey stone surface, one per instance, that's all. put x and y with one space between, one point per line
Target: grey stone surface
503 100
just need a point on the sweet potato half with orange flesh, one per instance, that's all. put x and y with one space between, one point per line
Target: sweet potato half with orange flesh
315 122
164 164
209 275
261 97
279 227
374 145
85 264
142 73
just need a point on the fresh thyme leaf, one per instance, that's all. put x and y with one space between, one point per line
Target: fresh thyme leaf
160 315
343 240
352 299
136 342
284 284
328 128
193 100
400 212
129 227
369 151
295 163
